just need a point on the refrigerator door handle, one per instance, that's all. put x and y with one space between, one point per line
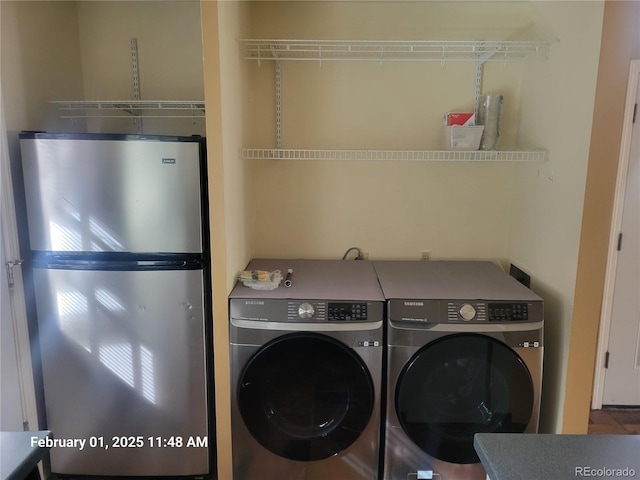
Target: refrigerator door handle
88 264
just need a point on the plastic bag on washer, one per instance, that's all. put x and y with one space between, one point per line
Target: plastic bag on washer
260 279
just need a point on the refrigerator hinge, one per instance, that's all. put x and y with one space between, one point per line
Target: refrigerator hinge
606 360
25 426
10 265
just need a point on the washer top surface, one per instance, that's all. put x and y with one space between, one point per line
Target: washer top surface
317 279
451 280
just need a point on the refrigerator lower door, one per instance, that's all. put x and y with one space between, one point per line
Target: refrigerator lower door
123 358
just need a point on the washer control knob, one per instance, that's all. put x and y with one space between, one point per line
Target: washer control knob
467 312
305 310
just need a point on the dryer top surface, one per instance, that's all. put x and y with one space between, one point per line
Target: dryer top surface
449 280
353 280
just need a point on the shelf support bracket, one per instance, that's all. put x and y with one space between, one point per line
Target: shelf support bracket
478 81
136 82
278 84
477 88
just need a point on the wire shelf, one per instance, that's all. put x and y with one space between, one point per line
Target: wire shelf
395 155
136 108
393 50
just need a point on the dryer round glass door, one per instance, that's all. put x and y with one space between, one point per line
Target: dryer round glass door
460 385
305 396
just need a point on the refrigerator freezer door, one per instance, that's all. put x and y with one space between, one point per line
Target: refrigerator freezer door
123 358
112 195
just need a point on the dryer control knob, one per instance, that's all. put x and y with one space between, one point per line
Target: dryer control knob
467 312
305 310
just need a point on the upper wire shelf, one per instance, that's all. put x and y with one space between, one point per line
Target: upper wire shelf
393 50
133 108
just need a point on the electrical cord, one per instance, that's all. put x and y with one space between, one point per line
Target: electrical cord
359 255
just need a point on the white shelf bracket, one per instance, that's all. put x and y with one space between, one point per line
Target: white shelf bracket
136 82
480 48
278 86
194 115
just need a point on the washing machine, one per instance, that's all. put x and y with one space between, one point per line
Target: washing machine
306 372
465 353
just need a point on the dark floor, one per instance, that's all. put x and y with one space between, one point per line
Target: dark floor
619 421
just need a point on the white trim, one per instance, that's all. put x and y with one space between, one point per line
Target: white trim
616 225
10 244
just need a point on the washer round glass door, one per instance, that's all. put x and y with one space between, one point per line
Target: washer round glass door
460 385
305 396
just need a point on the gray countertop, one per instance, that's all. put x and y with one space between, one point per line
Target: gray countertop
507 456
19 453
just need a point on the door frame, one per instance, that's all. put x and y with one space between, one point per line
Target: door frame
10 243
616 225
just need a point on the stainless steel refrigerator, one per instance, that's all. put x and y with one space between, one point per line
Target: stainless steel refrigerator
119 258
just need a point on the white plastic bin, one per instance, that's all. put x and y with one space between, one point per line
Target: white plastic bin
457 137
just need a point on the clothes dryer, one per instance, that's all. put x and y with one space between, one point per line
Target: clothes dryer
465 352
306 373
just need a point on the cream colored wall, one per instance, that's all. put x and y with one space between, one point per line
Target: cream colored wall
393 105
169 42
233 23
557 111
81 51
38 58
211 51
620 45
48 48
389 209
227 95
528 214
40 61
321 208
